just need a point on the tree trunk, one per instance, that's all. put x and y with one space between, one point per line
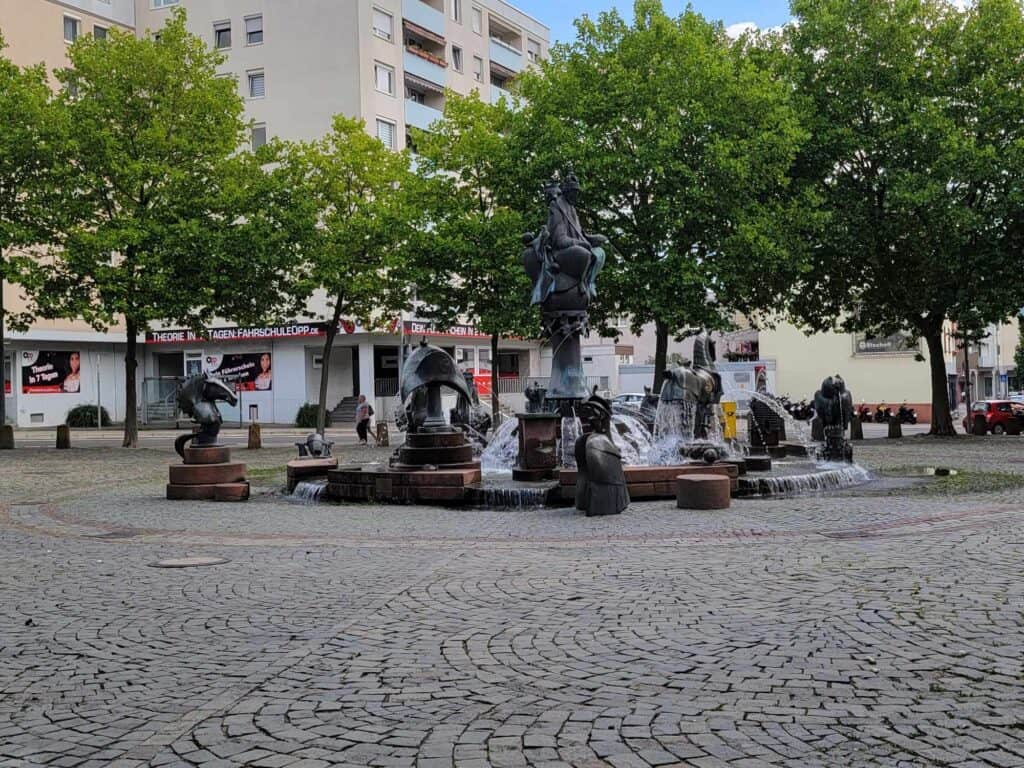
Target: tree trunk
131 400
325 370
942 419
495 399
660 354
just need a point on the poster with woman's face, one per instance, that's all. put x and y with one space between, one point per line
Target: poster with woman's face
248 371
46 372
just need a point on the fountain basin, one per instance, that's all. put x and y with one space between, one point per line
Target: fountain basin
391 485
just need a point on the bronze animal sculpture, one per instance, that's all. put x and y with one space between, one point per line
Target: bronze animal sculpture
427 370
833 408
315 446
600 480
198 398
698 383
470 415
563 262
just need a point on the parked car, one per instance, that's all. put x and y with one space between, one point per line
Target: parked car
632 399
1017 397
998 414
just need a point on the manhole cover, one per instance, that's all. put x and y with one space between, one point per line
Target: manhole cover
188 562
112 535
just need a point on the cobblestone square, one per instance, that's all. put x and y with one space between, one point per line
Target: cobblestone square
881 626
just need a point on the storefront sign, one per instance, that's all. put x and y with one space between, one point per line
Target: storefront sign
896 343
249 372
48 372
243 333
426 328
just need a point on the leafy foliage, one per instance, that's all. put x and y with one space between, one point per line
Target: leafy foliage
915 167
359 193
306 418
82 416
682 141
466 261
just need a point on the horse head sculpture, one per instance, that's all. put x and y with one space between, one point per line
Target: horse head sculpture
198 398
427 370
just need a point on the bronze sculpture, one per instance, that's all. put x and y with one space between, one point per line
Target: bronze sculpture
469 414
563 262
698 383
600 481
833 408
427 370
198 398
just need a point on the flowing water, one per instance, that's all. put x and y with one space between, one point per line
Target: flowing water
502 451
309 491
818 478
572 428
498 490
796 431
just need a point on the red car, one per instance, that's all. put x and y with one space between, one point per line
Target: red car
998 415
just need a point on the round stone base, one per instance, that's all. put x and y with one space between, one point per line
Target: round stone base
207 474
703 492
214 454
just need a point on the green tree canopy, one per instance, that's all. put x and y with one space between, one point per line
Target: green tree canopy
467 261
149 234
30 150
916 167
682 142
361 192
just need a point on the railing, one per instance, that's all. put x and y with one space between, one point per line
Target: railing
504 54
423 15
385 387
420 115
426 66
507 385
159 400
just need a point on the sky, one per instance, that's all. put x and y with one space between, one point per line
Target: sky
559 14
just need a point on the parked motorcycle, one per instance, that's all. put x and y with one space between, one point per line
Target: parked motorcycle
907 415
864 413
882 413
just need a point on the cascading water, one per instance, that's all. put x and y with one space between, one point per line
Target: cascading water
572 428
502 451
824 477
796 431
309 491
632 438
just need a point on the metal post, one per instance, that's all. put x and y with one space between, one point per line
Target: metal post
99 404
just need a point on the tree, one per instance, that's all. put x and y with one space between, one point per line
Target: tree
467 260
148 231
682 141
915 165
360 190
29 148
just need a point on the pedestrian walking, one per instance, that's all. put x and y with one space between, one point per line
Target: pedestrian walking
364 412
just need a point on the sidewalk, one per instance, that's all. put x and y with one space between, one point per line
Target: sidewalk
273 436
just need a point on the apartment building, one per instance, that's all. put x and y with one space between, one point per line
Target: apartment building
297 63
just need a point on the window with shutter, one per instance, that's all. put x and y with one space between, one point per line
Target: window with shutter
386 133
383 24
478 69
222 34
257 85
259 136
100 33
385 77
478 21
456 58
254 30
71 29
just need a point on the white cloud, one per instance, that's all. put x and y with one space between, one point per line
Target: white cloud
737 30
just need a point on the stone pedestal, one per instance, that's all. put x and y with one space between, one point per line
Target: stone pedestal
307 469
441 449
703 492
63 437
538 446
6 437
208 474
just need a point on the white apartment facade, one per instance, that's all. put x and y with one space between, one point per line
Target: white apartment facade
297 63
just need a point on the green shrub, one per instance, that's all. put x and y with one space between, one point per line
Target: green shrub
306 417
85 416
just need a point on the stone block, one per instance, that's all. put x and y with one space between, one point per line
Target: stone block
255 437
207 474
706 491
217 454
177 492
231 492
63 437
6 437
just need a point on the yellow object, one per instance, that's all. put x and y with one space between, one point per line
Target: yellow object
729 409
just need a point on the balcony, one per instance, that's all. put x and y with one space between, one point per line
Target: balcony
506 56
423 15
418 64
498 93
420 115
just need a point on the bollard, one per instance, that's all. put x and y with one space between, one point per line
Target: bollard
63 437
6 437
383 439
980 425
856 428
255 437
895 428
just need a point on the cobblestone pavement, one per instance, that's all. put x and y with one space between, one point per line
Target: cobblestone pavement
875 627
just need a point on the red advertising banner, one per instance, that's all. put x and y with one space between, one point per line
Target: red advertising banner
46 372
249 372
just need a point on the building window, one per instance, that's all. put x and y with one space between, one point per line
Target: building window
417 96
259 136
100 33
386 133
222 34
254 30
478 20
478 69
257 85
383 25
72 28
457 11
456 58
533 50
384 77
164 3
